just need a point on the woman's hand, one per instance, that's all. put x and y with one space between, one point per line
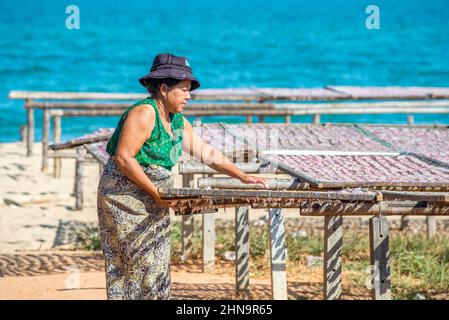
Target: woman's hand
163 203
253 179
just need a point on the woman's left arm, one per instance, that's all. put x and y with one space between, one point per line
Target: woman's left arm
197 147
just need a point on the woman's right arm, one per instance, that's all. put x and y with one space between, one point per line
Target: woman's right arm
136 129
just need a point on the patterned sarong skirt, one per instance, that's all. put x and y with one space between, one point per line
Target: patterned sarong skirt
135 235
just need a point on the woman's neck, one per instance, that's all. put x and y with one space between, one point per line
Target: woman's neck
163 112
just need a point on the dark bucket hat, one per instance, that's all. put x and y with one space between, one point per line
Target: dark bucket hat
166 65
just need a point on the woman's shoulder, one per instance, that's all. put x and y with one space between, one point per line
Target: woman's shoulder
143 110
142 116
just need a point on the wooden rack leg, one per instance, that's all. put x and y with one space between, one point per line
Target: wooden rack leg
79 177
187 223
30 131
187 236
278 255
208 242
333 243
57 163
241 250
45 138
404 222
380 260
431 226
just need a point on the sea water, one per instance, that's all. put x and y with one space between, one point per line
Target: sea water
229 43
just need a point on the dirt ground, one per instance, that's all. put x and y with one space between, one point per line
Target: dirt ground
79 276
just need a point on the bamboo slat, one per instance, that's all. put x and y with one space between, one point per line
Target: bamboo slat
53 95
416 196
429 142
326 153
258 94
300 94
78 105
98 151
310 207
355 92
97 136
231 183
305 137
363 171
386 208
230 107
346 195
196 168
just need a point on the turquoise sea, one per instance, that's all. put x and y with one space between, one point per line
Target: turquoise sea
236 43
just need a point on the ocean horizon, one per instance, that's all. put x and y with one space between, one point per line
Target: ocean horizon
230 44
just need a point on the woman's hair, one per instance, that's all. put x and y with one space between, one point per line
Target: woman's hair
153 85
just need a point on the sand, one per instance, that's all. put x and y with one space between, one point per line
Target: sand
80 276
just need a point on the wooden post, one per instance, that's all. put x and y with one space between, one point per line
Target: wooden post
23 133
248 119
241 250
208 242
316 118
333 243
79 177
278 255
30 129
404 222
380 260
431 226
45 137
405 219
57 138
187 222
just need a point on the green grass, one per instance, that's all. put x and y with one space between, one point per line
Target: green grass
89 239
419 266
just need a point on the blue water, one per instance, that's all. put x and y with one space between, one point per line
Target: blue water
253 43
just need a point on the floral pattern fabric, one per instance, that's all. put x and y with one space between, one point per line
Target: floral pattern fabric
161 148
135 235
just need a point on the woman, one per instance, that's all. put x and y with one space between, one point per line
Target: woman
134 222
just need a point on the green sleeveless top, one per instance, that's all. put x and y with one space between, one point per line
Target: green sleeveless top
161 148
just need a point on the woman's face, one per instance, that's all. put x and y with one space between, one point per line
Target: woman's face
177 96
